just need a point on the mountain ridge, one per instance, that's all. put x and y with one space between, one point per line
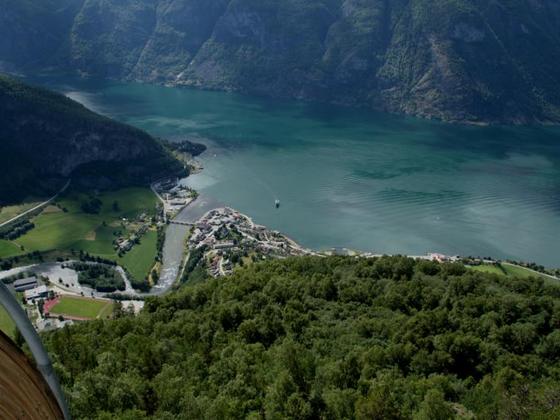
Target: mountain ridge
471 62
46 138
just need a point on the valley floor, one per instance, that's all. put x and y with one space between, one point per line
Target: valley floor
68 227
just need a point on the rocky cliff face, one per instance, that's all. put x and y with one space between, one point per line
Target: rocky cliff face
457 60
46 138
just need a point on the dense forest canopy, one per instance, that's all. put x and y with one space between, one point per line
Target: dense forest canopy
337 337
47 138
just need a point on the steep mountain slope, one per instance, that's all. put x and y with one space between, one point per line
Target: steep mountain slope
32 32
458 60
46 138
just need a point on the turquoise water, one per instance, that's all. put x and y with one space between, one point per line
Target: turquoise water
357 179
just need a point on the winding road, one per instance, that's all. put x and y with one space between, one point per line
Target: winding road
173 263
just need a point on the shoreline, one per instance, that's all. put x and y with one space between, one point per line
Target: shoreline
430 255
200 206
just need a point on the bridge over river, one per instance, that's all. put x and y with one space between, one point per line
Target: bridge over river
180 222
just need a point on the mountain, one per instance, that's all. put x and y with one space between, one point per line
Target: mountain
482 61
33 30
46 138
324 338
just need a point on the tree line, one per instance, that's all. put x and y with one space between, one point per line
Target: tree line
317 338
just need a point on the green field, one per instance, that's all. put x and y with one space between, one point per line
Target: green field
9 212
7 326
487 268
9 249
506 269
83 307
140 260
76 229
92 233
515 270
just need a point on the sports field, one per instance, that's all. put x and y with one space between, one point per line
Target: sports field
82 308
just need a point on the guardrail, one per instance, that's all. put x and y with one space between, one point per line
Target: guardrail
44 365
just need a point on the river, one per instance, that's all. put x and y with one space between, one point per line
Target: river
357 179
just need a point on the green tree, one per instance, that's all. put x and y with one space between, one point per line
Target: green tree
434 407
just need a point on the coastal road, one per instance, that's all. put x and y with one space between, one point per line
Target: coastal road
37 207
153 188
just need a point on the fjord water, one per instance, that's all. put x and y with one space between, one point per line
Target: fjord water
358 179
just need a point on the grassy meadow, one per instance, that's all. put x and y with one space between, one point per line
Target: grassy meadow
487 268
509 270
9 212
515 270
67 227
9 249
7 326
140 259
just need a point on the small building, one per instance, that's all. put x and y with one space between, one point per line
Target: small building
178 202
49 324
441 258
125 245
36 293
224 245
25 284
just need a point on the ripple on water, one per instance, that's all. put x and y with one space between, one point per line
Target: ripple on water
359 179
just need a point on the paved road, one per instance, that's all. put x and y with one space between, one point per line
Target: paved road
172 267
37 207
160 198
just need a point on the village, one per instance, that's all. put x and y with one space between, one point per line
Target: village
228 238
132 232
59 294
174 196
52 296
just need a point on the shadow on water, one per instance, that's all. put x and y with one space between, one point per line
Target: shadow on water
357 178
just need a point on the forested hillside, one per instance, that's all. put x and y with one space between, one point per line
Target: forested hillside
457 60
46 139
332 338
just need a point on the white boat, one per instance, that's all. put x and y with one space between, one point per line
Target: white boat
277 203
